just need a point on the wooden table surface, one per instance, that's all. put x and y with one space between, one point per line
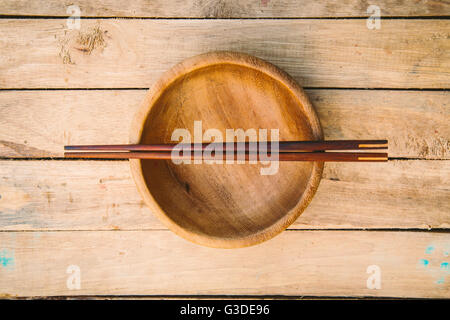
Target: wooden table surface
61 219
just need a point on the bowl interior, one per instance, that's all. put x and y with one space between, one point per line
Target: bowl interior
222 200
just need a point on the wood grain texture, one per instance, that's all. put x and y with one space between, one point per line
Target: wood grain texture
101 195
414 122
225 9
133 53
310 263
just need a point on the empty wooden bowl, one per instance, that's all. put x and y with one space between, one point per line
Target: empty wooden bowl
225 205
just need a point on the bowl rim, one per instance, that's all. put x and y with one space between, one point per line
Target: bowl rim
195 63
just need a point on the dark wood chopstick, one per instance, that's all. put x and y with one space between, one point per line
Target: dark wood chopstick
287 156
284 146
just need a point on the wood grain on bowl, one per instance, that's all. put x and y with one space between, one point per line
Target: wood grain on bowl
217 205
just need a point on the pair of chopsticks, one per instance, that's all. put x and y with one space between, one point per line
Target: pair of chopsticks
288 151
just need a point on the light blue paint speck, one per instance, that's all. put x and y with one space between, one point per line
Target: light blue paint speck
429 249
423 262
6 258
446 253
444 265
440 281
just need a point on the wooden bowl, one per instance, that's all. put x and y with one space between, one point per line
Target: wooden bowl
225 205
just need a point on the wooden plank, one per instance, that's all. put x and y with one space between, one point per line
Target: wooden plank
310 263
414 122
101 195
114 53
224 9
60 195
40 123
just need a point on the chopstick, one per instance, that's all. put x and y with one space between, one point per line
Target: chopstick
284 146
286 156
